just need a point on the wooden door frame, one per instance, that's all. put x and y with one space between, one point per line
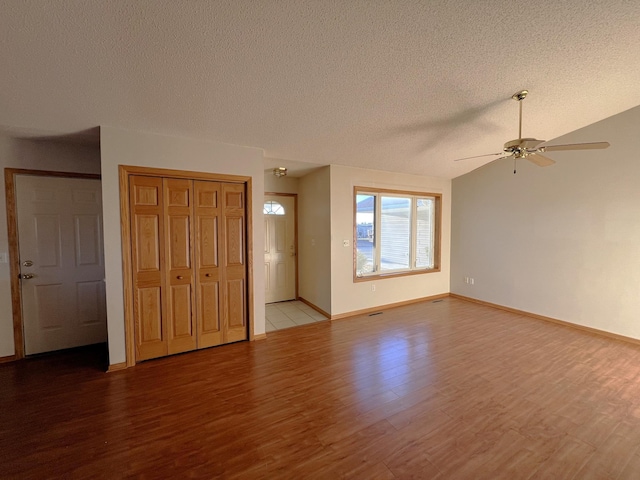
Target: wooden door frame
295 230
124 172
14 247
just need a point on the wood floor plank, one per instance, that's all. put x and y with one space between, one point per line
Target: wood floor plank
434 390
631 470
566 461
608 461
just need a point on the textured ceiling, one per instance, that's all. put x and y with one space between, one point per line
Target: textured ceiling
392 85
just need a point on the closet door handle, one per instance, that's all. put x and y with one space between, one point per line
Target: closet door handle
179 277
207 274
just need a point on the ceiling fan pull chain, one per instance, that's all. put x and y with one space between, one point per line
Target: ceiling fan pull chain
514 163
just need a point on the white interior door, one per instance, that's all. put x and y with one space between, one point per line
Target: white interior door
61 262
280 248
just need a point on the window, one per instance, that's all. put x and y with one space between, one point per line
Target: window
273 208
396 233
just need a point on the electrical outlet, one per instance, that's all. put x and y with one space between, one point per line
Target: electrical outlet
4 258
373 287
345 243
472 280
466 279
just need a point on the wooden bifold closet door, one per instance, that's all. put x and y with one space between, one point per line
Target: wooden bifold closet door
189 267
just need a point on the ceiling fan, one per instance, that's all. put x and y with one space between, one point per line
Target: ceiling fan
532 148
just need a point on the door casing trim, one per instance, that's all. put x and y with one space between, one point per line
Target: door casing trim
14 245
124 171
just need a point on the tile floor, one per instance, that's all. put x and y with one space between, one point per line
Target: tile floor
283 315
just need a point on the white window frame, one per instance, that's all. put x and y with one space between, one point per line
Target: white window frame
413 236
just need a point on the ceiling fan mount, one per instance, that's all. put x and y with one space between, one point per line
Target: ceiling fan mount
532 148
519 96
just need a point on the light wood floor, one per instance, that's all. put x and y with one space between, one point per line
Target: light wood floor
448 390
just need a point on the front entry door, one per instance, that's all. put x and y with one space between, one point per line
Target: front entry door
280 248
61 262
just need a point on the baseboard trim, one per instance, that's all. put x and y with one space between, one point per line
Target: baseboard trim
365 311
7 359
115 367
259 336
316 308
564 323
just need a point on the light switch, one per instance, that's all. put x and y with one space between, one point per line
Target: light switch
4 258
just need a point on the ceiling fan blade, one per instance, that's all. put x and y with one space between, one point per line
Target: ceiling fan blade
478 156
575 146
540 160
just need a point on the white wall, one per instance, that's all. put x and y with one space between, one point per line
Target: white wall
33 155
274 184
314 238
561 241
347 296
121 147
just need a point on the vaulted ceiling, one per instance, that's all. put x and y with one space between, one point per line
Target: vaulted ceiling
392 85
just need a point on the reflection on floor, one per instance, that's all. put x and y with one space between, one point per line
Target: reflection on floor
283 315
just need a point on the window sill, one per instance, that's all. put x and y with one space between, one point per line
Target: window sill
380 276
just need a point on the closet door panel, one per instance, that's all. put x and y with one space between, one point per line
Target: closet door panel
147 243
235 268
207 220
235 304
147 225
150 315
188 244
179 269
180 236
207 239
209 305
181 311
234 240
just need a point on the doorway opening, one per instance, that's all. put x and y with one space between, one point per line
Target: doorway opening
280 247
56 260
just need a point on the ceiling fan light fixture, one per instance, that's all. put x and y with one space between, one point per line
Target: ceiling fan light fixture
280 172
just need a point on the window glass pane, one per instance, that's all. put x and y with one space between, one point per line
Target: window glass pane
365 233
425 230
395 232
273 208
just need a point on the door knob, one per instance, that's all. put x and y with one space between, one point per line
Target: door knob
207 274
26 276
179 277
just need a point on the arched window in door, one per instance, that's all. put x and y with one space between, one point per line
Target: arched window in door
273 208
